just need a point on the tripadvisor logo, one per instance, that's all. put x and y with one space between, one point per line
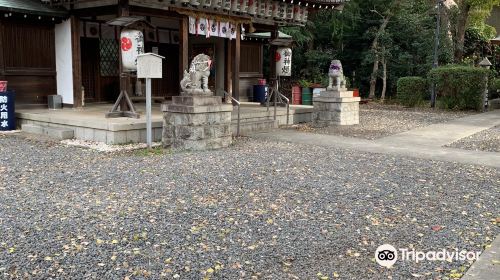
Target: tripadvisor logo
386 255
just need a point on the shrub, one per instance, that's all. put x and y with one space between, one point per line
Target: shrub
459 87
412 91
494 89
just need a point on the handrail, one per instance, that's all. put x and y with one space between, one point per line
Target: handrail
287 108
275 93
238 104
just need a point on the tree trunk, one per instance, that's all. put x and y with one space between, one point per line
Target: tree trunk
461 26
384 77
373 79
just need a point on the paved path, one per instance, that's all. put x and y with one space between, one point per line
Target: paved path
488 265
426 142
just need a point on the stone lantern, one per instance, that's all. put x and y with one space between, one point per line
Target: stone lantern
486 64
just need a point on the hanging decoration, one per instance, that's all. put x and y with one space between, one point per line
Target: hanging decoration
132 45
284 62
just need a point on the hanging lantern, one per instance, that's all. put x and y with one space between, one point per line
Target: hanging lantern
284 62
206 3
275 9
235 6
217 4
282 10
132 45
305 13
226 5
243 6
297 13
289 11
252 7
262 8
269 8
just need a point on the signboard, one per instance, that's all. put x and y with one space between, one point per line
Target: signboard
7 111
149 65
284 62
132 45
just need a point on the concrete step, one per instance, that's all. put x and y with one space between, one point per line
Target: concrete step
54 132
250 127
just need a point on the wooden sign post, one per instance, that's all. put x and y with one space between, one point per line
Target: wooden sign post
149 66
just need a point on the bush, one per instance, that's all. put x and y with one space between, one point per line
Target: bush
459 87
494 89
412 91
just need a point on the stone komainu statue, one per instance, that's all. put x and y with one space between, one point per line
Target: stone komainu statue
196 80
336 73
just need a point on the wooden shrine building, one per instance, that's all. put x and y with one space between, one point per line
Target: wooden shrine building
68 47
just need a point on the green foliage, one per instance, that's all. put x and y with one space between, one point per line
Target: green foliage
459 87
304 83
412 91
494 89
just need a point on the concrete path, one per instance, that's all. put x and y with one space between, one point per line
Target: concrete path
426 142
487 267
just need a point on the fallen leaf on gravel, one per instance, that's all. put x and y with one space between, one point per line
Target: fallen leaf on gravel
336 275
436 228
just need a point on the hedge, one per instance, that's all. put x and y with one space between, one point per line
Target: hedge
459 87
412 91
494 89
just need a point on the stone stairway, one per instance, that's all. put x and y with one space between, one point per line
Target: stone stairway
54 132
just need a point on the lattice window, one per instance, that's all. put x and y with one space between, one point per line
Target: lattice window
109 53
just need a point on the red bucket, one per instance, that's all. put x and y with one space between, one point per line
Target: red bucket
296 95
3 86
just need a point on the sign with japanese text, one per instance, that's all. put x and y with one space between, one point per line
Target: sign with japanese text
7 111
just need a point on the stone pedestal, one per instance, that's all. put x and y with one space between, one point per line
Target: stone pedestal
335 107
197 123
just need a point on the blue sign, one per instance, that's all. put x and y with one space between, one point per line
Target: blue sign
7 111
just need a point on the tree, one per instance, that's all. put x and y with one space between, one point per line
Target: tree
464 10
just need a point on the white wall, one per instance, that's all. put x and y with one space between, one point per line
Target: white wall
64 61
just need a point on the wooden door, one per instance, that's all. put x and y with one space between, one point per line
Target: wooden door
90 69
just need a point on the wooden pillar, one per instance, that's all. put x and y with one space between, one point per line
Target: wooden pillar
235 51
2 67
272 60
228 68
123 11
77 62
183 45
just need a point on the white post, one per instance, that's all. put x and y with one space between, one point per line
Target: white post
149 136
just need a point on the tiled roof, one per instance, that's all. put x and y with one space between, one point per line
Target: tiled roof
30 7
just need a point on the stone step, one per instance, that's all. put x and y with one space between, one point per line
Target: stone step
54 132
248 128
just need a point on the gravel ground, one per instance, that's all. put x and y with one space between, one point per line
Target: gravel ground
257 210
381 120
487 140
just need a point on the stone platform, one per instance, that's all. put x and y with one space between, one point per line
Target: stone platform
335 107
197 123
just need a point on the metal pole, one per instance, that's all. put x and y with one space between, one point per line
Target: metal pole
436 50
238 128
275 96
148 114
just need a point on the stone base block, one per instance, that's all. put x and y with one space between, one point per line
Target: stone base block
336 93
197 123
329 111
